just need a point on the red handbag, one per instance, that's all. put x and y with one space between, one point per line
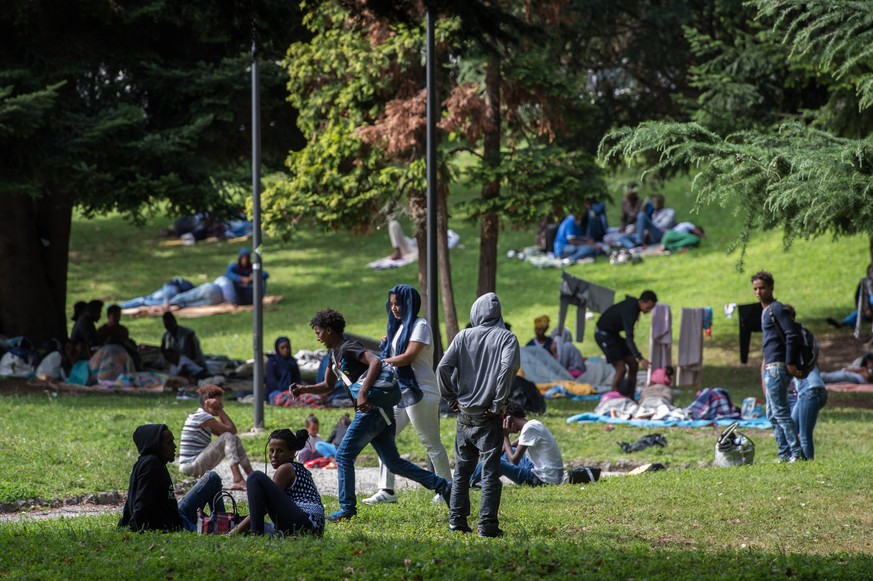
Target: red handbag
219 522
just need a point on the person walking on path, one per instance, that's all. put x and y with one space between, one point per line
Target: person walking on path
408 346
371 425
620 351
780 345
474 376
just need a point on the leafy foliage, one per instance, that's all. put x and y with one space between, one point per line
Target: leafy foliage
804 180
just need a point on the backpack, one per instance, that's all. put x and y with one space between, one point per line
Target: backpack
807 355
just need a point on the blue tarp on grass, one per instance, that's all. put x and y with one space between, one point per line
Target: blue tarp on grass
589 417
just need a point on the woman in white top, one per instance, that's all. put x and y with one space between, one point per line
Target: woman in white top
408 346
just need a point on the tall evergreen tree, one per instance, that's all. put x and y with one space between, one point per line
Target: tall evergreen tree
809 175
119 106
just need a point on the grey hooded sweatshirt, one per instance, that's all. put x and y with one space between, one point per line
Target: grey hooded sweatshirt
486 358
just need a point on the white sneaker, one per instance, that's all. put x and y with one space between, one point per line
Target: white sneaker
380 497
437 498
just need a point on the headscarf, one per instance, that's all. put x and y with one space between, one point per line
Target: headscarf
410 304
241 270
287 366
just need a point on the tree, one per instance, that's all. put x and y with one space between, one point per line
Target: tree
119 106
802 176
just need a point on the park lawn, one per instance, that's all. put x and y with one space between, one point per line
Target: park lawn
766 520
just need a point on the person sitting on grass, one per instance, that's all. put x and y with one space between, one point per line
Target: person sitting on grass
113 332
181 366
182 339
310 451
328 448
372 424
290 498
281 370
151 503
534 458
241 273
198 453
540 339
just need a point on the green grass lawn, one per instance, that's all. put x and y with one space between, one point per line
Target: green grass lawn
762 521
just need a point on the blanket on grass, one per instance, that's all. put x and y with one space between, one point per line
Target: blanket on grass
590 417
195 312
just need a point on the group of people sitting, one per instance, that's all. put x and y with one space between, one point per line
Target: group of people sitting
93 354
235 286
585 233
290 497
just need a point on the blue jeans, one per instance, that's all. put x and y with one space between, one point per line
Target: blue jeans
776 381
805 406
371 428
841 376
202 494
579 252
325 449
199 296
160 297
644 222
477 439
521 473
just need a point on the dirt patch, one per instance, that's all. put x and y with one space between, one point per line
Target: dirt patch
839 348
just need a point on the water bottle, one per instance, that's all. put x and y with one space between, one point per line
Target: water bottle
748 410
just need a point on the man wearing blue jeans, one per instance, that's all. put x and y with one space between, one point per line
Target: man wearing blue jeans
474 377
151 502
371 425
780 345
534 458
650 230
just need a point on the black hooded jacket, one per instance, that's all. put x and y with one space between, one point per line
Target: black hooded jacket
151 503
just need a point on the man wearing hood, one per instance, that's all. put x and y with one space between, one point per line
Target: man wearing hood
474 376
241 273
151 503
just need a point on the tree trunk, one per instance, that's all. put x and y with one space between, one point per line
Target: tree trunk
34 251
489 226
446 288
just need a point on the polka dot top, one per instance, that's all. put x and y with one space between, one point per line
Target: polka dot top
304 493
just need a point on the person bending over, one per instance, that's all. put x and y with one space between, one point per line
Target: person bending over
151 503
198 453
290 497
620 351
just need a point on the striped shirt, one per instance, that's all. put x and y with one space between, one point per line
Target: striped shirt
195 437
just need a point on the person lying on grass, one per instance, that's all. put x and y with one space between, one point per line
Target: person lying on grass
534 458
198 453
290 498
151 503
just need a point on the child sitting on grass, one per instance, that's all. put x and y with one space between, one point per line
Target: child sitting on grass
310 451
290 498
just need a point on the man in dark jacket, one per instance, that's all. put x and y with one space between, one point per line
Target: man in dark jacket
620 351
151 503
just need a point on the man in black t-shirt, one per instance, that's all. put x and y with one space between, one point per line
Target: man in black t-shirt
620 351
371 424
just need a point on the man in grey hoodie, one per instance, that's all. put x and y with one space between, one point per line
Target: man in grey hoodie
474 376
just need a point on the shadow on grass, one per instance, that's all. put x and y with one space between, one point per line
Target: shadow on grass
91 547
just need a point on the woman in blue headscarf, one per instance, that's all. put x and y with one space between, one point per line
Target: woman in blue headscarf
409 348
282 369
